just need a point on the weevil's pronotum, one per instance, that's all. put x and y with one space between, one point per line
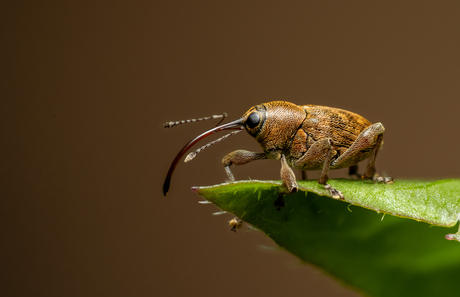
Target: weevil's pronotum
308 137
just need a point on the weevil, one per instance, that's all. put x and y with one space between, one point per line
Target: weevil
307 137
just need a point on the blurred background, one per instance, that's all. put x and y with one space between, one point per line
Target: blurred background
87 85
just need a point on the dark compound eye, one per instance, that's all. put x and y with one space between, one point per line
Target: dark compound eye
253 120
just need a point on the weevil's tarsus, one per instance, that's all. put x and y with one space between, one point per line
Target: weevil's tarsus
240 157
336 194
383 179
192 155
175 123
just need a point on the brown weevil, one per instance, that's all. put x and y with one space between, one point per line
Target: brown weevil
308 137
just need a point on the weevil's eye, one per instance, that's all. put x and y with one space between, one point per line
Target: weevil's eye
253 120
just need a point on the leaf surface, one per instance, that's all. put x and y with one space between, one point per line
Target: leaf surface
376 254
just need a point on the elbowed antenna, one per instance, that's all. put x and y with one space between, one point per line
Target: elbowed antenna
235 125
192 155
175 123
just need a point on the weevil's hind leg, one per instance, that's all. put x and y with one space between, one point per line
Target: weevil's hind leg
370 170
288 176
320 154
370 138
240 157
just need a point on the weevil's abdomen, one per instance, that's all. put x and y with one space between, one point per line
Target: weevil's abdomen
342 126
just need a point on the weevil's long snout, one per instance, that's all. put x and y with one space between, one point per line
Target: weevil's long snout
235 125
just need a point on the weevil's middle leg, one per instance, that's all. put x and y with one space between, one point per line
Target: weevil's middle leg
240 157
319 155
336 194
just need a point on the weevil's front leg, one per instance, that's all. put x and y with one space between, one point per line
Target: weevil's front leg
288 176
319 156
240 157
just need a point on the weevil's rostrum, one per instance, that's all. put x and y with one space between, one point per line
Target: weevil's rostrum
308 137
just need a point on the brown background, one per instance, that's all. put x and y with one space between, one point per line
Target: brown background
86 86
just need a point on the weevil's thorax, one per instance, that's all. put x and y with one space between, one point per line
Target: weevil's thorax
278 122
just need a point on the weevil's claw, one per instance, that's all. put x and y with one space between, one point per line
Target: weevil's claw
336 194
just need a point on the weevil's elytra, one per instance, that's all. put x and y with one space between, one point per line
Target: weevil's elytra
308 137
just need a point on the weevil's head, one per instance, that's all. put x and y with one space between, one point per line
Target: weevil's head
273 124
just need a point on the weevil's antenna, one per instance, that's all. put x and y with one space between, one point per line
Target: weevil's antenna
175 123
192 155
235 125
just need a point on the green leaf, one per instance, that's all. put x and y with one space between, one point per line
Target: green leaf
376 254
